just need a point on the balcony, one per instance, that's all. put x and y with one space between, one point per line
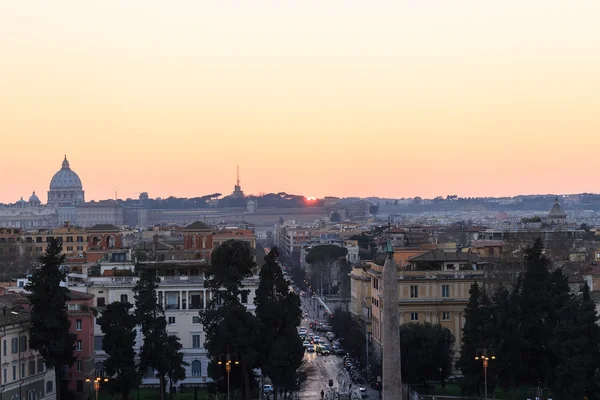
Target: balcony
182 280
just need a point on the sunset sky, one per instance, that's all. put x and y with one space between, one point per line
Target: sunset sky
347 98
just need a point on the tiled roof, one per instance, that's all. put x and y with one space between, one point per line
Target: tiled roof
487 243
74 295
197 226
441 255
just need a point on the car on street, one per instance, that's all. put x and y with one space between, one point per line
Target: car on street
310 348
267 389
330 336
363 392
316 339
306 343
323 350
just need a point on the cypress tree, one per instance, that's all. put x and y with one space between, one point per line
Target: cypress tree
49 331
471 341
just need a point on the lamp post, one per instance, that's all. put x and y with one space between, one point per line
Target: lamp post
229 359
96 384
485 355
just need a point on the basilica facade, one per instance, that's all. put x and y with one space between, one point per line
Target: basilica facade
66 192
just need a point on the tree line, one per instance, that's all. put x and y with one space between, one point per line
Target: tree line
540 333
267 340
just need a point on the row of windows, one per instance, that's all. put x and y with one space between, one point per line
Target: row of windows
195 320
32 370
17 344
414 316
197 343
414 291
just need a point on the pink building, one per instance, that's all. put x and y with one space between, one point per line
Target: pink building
80 307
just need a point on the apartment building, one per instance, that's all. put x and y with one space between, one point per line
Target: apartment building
81 317
182 293
24 375
434 287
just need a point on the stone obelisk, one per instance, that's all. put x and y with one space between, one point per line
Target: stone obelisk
390 329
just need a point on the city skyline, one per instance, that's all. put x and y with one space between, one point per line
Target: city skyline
336 98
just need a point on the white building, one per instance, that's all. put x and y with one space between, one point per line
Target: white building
181 292
24 375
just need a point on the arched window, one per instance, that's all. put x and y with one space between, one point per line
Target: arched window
49 387
196 368
31 395
193 241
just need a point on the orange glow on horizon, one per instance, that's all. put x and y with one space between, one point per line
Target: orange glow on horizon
332 98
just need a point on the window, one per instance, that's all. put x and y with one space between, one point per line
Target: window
69 248
49 387
414 291
14 345
196 368
446 316
171 320
79 386
124 298
195 320
79 366
445 291
79 248
375 283
5 376
4 347
14 372
78 345
414 316
98 343
22 370
31 368
31 395
101 302
78 324
244 297
196 341
40 366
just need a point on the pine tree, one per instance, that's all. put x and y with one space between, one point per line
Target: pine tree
505 338
471 341
49 331
279 312
158 350
535 311
119 327
576 343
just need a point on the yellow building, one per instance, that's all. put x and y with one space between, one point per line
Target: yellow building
434 288
74 240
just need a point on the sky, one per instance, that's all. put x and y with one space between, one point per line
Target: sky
345 98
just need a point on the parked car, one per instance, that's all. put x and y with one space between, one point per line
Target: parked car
330 336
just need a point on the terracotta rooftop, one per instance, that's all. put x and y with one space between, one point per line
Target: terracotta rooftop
441 256
197 226
104 228
487 243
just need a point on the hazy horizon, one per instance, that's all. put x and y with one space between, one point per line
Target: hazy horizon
336 98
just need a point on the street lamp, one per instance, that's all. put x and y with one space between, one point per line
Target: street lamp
485 355
96 384
228 361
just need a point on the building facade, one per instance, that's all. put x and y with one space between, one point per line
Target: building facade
24 375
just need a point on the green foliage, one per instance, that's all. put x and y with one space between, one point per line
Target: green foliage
426 349
279 313
118 325
159 350
229 326
326 253
49 331
472 339
537 332
576 343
